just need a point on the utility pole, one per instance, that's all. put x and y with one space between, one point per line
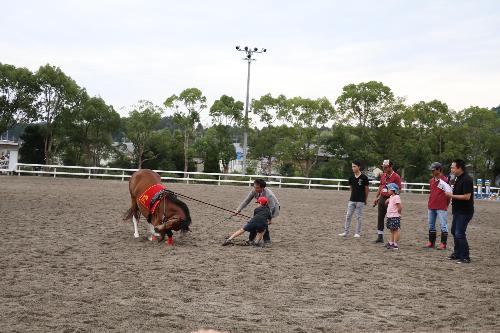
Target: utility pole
249 52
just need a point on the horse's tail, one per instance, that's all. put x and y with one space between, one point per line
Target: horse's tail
132 211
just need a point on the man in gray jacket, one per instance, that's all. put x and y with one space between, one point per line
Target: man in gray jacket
260 190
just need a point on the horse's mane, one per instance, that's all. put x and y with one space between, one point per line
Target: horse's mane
170 196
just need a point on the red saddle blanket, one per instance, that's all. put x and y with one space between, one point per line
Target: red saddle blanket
145 198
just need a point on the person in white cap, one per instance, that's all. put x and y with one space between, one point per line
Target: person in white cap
389 176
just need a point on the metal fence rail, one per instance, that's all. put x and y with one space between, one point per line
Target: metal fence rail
204 177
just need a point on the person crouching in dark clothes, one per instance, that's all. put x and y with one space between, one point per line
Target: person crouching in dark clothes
258 223
260 189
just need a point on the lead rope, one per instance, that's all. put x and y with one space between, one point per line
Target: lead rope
209 204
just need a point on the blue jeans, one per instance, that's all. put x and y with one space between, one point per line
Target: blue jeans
458 229
442 215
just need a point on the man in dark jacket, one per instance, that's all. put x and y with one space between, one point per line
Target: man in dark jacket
463 209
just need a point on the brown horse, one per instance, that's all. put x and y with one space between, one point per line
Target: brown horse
169 213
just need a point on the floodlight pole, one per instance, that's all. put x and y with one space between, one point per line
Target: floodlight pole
249 52
245 131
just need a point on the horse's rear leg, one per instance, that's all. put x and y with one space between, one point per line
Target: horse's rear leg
136 229
134 211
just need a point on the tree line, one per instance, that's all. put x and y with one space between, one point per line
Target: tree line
60 123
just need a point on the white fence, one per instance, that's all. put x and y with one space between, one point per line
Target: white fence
201 177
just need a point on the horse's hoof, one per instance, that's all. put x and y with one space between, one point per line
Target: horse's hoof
136 235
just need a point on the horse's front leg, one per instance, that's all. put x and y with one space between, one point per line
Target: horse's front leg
164 230
136 229
153 235
170 237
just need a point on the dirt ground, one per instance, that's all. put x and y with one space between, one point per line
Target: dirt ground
68 263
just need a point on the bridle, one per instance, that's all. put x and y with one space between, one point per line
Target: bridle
160 196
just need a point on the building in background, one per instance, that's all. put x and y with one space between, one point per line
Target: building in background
9 151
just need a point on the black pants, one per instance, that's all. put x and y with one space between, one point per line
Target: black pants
382 210
266 237
458 230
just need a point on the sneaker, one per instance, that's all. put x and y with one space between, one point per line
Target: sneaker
429 245
258 244
343 234
388 245
357 235
442 246
380 239
453 256
463 261
395 247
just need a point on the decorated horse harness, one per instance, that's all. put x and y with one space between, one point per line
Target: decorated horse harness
152 197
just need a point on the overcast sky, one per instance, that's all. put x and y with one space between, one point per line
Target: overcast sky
125 51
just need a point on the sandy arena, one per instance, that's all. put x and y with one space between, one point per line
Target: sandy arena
68 263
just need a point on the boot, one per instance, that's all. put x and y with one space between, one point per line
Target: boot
380 238
432 239
444 240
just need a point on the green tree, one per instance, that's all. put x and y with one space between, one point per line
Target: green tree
18 91
167 123
58 92
139 129
496 110
167 147
430 120
481 128
225 113
269 108
414 137
89 129
347 143
496 167
306 118
208 148
32 149
365 103
263 146
120 158
187 108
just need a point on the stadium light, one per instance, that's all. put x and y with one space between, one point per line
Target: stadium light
249 53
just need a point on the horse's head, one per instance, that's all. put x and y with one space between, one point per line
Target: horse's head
174 214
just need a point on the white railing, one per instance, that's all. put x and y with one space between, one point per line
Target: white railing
204 177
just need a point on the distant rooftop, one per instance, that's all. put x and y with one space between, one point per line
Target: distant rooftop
9 143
